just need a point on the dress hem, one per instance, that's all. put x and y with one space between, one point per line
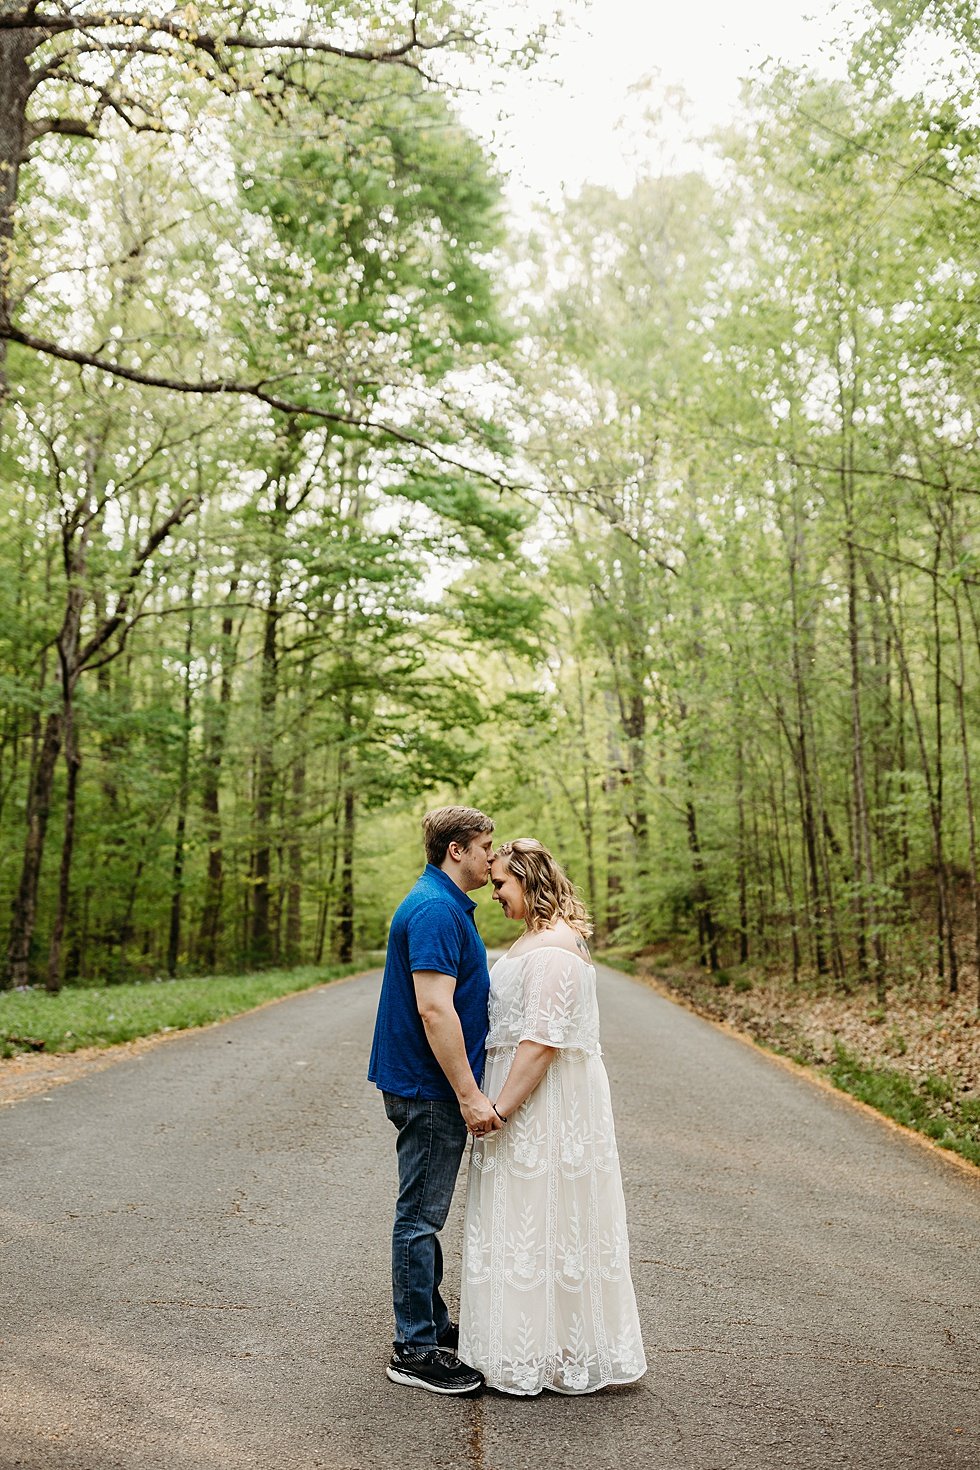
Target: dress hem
568 1393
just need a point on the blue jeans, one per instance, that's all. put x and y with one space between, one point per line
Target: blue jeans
431 1139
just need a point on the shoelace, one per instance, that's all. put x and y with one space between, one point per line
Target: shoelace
427 1355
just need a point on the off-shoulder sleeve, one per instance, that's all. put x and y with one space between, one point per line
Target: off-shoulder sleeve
559 1000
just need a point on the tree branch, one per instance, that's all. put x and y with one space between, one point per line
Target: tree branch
73 127
884 471
905 561
30 18
880 153
117 617
258 391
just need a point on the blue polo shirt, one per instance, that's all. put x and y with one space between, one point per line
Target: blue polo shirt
433 929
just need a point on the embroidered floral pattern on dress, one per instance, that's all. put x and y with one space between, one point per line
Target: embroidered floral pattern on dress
547 1299
524 1253
524 1366
614 1253
627 1351
576 1138
477 1252
570 1253
525 1142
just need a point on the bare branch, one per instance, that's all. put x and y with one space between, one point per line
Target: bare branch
885 472
73 127
213 45
258 391
118 616
881 153
906 561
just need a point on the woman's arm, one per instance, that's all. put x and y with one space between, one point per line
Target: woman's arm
531 1060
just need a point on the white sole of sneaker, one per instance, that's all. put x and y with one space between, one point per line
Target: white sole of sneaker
408 1380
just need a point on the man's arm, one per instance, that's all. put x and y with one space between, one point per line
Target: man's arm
434 998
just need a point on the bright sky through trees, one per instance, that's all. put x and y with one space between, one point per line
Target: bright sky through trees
578 115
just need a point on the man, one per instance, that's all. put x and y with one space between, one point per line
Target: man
429 1049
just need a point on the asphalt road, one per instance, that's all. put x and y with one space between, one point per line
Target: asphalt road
194 1267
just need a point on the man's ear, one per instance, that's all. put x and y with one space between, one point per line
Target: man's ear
455 851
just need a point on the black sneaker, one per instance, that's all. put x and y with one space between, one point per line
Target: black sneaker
434 1369
450 1338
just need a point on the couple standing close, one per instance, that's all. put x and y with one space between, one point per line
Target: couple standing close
546 1300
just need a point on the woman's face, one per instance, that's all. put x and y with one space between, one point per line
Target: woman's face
507 890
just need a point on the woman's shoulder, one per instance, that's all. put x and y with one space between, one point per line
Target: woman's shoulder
561 938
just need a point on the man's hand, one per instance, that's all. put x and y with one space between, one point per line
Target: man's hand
479 1115
434 997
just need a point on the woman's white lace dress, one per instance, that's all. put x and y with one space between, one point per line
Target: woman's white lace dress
547 1299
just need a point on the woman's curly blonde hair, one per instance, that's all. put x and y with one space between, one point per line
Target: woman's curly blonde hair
548 895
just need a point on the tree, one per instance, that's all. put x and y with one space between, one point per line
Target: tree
68 73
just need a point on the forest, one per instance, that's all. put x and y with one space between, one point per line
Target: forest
330 495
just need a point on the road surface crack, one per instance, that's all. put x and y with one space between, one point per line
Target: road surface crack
475 1458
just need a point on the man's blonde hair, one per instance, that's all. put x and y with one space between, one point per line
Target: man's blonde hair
548 894
446 824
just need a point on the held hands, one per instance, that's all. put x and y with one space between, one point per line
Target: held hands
480 1116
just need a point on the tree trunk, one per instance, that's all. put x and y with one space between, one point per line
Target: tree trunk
948 916
294 893
261 934
73 761
741 855
588 815
780 808
634 728
707 937
802 754
614 828
323 917
864 908
345 898
848 370
215 739
59 730
15 88
762 866
971 823
943 908
829 846
183 796
24 914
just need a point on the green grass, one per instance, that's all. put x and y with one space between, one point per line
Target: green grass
917 1104
616 959
33 1020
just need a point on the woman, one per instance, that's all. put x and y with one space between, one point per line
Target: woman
547 1300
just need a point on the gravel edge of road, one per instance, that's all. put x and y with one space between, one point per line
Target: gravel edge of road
798 1069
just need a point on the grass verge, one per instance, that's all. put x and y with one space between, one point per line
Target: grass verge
79 1016
928 1105
616 959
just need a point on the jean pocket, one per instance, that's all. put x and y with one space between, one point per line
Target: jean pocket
396 1108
